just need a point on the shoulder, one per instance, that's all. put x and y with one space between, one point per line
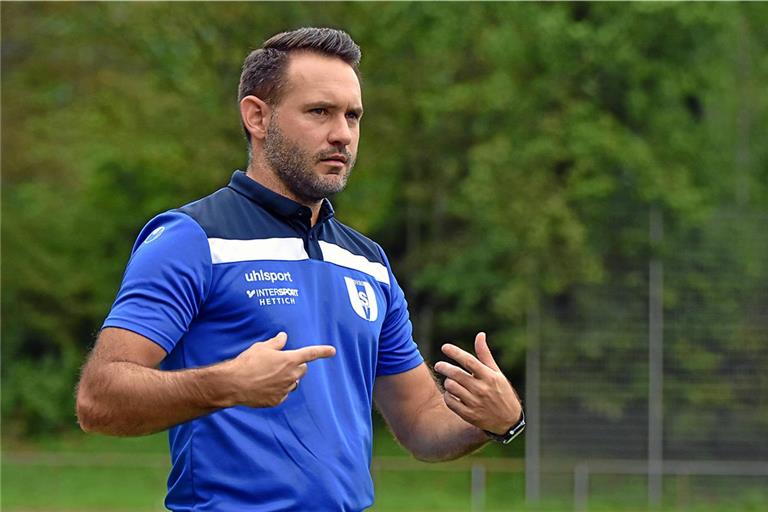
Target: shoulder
351 240
214 212
228 214
347 247
168 231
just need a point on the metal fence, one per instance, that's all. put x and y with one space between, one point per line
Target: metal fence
657 376
477 476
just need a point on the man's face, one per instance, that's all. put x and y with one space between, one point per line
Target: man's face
313 132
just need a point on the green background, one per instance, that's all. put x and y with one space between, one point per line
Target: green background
510 153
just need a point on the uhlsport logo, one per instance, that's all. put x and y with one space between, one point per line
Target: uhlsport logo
272 277
363 298
279 295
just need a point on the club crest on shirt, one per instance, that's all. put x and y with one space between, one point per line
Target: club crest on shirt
362 298
154 235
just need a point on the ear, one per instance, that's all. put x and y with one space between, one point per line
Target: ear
255 116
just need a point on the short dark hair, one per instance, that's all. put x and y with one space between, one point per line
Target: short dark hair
263 72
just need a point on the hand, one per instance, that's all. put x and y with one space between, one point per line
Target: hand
478 391
264 373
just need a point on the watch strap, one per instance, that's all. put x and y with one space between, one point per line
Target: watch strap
513 431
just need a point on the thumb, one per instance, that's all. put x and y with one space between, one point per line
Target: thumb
484 353
278 342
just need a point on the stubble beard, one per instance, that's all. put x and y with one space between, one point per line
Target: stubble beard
293 166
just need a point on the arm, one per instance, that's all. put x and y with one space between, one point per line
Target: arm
413 407
435 425
122 393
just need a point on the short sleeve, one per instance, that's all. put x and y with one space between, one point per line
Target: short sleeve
398 352
166 280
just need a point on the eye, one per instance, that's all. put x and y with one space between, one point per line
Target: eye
321 111
353 116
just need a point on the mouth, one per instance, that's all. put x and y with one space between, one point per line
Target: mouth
338 158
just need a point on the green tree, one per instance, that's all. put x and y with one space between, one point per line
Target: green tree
510 152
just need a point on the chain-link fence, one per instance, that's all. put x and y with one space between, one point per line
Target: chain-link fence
653 386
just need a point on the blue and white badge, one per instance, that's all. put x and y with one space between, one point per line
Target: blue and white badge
363 298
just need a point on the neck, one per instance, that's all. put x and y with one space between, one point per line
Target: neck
260 172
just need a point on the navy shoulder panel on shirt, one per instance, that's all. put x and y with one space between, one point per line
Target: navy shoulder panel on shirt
231 214
228 214
353 241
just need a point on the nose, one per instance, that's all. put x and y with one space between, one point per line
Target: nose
341 133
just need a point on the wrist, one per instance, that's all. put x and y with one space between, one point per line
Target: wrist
510 432
503 427
217 386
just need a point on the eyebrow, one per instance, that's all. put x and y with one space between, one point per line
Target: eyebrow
333 106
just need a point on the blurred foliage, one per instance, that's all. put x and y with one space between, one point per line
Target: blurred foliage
510 152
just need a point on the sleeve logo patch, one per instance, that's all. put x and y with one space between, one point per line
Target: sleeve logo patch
362 298
155 235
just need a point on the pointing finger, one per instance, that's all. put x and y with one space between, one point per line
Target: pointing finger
484 352
307 354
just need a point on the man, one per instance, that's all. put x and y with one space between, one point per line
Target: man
281 424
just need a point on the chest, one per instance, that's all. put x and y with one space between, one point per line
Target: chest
315 302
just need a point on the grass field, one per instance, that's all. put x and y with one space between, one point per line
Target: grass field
86 473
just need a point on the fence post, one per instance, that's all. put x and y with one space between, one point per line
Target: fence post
655 359
478 487
532 405
580 487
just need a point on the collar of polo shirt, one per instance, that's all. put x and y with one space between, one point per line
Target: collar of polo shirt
276 203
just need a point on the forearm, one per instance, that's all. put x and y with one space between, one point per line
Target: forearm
126 399
439 434
441 424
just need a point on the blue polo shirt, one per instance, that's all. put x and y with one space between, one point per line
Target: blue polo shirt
208 280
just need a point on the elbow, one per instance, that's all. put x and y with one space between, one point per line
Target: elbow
92 415
426 457
431 448
423 450
85 409
432 456
95 415
91 418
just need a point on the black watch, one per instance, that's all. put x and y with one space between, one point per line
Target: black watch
512 433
